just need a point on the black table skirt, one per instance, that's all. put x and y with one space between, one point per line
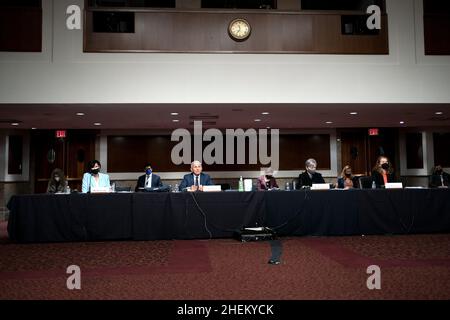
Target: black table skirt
152 216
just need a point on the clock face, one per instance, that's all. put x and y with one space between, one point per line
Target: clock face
239 29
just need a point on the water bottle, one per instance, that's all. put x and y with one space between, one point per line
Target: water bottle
374 186
294 185
241 184
288 187
175 189
68 189
113 187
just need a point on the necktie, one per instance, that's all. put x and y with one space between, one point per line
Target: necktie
196 180
442 180
149 182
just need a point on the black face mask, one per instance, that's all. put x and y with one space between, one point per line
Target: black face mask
439 172
268 177
95 171
348 174
385 166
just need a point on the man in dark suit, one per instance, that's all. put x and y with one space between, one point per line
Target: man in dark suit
196 179
310 176
149 179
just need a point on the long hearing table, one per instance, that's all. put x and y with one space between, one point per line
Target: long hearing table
153 216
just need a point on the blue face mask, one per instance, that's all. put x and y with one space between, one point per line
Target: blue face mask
148 171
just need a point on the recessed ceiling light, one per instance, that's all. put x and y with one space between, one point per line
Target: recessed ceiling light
402 122
80 113
265 113
175 120
257 120
33 128
174 113
97 124
14 124
329 122
438 112
353 112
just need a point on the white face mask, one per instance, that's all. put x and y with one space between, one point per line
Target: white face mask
57 179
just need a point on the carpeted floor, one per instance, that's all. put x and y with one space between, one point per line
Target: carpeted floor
412 267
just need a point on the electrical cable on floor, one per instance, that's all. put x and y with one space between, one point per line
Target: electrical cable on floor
299 212
210 223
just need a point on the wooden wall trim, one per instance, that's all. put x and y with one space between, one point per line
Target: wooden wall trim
206 32
131 153
21 29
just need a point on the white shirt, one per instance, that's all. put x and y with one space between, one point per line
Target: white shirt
148 181
199 183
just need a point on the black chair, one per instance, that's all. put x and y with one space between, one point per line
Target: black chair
365 182
225 186
403 180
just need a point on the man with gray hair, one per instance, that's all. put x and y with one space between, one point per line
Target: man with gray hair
196 179
310 176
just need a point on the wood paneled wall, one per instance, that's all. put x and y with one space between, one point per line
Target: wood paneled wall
414 150
360 151
131 153
71 154
436 21
21 29
354 151
207 31
442 149
15 146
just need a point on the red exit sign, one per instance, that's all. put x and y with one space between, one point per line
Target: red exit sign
373 132
60 133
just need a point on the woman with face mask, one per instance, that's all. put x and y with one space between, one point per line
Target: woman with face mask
347 180
310 175
383 172
57 182
94 178
266 181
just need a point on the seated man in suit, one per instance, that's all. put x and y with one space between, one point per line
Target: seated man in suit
310 176
196 180
149 179
439 178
